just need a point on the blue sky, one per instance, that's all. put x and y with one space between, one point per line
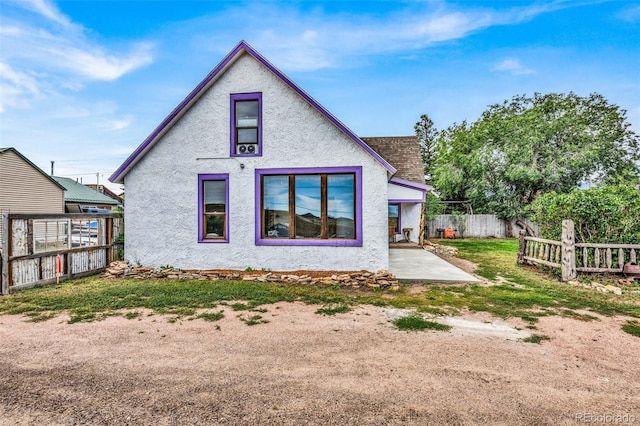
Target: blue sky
84 82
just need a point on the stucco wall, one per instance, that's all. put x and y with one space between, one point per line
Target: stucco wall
162 202
410 218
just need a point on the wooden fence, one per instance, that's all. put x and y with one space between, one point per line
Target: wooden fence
571 257
38 249
475 226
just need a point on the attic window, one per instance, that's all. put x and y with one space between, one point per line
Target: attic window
246 124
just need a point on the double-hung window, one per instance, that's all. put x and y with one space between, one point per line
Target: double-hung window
213 208
246 124
309 206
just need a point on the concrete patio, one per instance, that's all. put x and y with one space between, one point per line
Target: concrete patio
418 265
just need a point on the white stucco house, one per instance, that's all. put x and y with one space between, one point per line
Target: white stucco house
250 171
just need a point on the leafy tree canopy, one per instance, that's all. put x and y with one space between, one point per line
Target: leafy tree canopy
529 146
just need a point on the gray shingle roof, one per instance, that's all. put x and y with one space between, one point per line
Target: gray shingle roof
402 152
76 192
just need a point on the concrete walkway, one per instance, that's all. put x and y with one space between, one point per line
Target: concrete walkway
410 265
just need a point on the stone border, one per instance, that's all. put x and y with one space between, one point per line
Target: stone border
366 280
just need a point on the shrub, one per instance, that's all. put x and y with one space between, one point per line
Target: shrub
601 215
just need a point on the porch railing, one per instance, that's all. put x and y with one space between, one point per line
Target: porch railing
572 257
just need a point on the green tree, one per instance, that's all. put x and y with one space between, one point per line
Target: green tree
427 138
529 146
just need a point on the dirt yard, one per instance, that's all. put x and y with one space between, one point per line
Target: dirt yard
304 368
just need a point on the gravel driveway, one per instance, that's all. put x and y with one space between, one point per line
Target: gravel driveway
304 368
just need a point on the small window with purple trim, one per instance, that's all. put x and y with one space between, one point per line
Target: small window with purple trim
213 194
246 124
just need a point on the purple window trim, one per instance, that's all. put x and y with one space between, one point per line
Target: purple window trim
357 242
119 174
399 216
201 179
257 96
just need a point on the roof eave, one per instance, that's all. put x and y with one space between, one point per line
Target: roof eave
410 184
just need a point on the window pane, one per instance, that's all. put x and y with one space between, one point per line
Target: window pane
247 122
215 196
341 206
50 235
214 206
308 214
275 193
214 226
247 135
246 109
393 217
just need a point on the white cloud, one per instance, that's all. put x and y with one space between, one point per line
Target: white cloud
101 66
512 66
45 9
120 124
13 84
60 53
310 40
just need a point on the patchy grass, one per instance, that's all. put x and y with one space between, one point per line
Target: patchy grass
253 320
238 306
522 292
526 288
536 338
416 323
211 316
632 327
332 310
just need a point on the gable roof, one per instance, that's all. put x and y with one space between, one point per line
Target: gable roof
76 192
204 85
26 160
403 152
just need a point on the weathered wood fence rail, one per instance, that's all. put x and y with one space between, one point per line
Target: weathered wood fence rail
40 249
572 257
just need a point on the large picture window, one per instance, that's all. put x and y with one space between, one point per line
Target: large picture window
246 124
309 206
213 200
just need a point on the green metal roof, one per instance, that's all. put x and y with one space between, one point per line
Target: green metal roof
76 192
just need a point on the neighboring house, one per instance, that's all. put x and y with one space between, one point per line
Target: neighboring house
250 171
78 197
25 188
106 191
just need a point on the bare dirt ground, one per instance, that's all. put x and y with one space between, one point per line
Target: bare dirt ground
303 368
